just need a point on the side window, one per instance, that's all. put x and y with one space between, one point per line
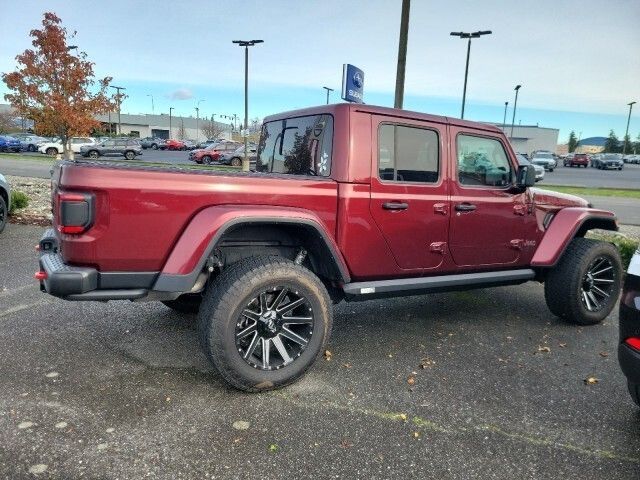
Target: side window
482 162
407 154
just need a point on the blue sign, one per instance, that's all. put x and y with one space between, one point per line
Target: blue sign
352 84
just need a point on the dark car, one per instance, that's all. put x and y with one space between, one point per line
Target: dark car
235 158
629 347
154 143
5 201
607 161
9 144
577 160
128 148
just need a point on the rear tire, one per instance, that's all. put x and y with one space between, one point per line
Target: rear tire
129 155
243 328
634 391
236 162
571 288
206 160
93 154
31 148
52 152
187 303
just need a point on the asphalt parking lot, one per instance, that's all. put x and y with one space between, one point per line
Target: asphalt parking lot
121 390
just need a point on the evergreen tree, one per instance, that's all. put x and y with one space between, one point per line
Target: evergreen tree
612 144
573 142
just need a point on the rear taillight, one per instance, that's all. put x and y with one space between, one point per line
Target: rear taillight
75 212
633 342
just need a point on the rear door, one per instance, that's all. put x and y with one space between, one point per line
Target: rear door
487 215
409 191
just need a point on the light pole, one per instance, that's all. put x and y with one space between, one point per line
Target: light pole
468 35
626 134
402 53
119 102
170 110
328 90
515 104
246 44
152 108
198 120
504 119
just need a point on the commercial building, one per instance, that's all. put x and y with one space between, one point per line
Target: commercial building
161 126
528 138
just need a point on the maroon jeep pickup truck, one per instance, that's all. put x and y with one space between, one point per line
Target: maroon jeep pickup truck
347 202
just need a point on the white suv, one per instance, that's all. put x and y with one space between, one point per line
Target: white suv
54 148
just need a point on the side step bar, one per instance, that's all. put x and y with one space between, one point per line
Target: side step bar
442 283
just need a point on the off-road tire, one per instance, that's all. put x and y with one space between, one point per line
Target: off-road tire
634 391
230 293
562 288
4 214
187 303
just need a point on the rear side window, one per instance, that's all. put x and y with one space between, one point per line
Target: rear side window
297 146
407 154
482 162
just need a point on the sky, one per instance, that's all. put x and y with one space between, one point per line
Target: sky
578 61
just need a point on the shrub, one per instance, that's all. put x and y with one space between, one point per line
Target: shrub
625 245
18 200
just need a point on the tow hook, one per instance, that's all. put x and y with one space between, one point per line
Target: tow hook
302 254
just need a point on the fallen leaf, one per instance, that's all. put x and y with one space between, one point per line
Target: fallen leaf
327 355
544 349
403 416
274 448
345 444
562 345
604 354
347 365
591 381
411 380
416 434
426 362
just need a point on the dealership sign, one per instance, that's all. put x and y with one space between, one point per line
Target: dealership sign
352 83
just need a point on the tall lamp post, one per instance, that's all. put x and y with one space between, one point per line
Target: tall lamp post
504 119
328 90
152 108
246 44
402 53
170 110
468 35
515 104
626 134
119 102
198 120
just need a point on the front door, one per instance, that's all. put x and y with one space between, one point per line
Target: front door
409 191
487 214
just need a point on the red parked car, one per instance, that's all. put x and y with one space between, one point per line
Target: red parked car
175 145
348 202
579 160
213 152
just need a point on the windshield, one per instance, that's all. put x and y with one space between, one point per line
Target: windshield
211 146
610 156
297 146
544 155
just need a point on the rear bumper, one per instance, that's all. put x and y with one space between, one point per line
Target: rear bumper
629 314
85 283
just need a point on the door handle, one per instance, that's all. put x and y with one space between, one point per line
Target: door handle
465 207
395 205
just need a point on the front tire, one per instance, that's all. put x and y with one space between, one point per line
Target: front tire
52 152
236 162
129 155
585 285
264 322
206 160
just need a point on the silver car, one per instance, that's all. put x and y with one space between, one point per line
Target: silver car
5 201
522 160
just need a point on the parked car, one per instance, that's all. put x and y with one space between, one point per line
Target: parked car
629 346
206 143
174 144
545 160
577 160
213 152
9 144
154 143
30 143
606 161
128 148
189 145
55 147
334 214
235 158
522 160
5 201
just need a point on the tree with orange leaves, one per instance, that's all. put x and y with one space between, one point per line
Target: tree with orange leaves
55 88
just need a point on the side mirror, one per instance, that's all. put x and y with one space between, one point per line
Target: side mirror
526 176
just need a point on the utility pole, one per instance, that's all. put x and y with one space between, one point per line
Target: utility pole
152 109
515 104
119 102
504 119
402 53
626 134
328 90
198 120
468 35
246 44
170 110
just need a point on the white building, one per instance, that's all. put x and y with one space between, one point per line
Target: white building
158 126
528 138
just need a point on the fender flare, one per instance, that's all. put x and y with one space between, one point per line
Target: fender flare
567 224
189 255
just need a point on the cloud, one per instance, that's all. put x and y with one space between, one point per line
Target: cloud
181 94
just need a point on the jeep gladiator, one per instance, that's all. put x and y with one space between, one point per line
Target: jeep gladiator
348 202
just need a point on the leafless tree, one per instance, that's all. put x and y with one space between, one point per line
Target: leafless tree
8 121
212 130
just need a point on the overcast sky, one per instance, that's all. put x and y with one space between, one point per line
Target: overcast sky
578 61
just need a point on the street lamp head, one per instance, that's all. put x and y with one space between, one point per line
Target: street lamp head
631 103
517 87
247 43
506 103
484 32
456 34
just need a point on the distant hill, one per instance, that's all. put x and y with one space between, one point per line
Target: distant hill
593 141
